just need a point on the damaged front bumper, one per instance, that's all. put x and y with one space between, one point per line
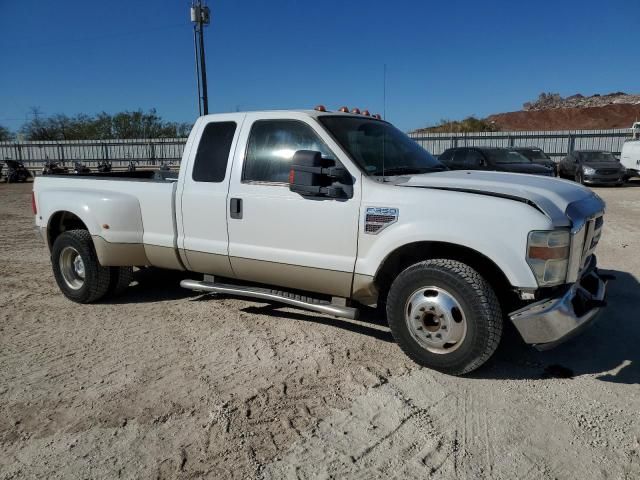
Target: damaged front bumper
551 321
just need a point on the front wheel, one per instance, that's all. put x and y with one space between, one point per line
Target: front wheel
579 178
444 316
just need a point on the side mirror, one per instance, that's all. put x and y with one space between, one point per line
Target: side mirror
313 176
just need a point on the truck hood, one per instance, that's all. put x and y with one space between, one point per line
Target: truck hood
529 167
550 195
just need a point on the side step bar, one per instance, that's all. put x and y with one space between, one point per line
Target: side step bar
300 301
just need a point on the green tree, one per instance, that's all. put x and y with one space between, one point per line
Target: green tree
469 124
5 134
128 124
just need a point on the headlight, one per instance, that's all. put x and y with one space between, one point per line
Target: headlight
588 170
548 256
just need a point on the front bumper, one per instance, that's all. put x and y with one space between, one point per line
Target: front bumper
596 179
550 322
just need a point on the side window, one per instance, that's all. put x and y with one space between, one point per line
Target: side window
212 156
446 157
271 146
474 159
459 157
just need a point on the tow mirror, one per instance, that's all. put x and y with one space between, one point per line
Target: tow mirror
313 176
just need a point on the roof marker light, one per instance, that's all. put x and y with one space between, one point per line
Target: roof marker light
366 113
320 108
355 110
377 116
344 109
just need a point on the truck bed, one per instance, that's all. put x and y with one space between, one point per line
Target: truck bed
118 209
138 175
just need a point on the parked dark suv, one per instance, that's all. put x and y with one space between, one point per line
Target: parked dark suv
487 158
537 155
592 167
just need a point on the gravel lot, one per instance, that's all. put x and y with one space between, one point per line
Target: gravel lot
165 383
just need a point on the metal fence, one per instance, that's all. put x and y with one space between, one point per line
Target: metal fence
555 143
90 152
149 152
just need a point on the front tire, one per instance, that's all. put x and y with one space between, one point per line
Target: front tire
579 178
444 316
76 268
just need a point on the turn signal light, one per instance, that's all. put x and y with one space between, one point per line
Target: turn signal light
292 176
33 203
549 253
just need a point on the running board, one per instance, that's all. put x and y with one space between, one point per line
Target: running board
300 301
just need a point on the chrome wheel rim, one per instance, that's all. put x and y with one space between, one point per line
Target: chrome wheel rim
72 268
436 320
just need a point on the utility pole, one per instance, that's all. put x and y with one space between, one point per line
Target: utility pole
200 17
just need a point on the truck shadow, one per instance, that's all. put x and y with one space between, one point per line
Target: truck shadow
154 285
368 324
609 348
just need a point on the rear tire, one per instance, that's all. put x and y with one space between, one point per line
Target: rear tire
121 278
76 268
444 316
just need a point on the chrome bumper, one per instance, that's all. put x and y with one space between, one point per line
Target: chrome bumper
550 322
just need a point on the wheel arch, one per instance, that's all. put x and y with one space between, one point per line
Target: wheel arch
411 253
62 221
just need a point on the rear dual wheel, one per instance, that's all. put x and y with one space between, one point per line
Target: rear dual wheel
444 316
78 272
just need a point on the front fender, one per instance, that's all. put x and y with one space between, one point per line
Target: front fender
494 227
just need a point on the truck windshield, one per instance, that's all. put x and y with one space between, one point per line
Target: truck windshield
499 155
379 148
534 154
597 157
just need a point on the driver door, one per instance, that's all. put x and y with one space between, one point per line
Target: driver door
279 237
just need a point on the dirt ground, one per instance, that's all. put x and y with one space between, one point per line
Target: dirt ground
165 383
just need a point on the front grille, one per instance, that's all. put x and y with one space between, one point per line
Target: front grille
599 222
587 220
606 171
593 232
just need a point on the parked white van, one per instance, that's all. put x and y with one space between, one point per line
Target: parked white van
630 157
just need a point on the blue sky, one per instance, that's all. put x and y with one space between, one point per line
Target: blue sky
444 59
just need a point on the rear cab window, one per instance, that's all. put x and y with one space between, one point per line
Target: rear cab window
212 157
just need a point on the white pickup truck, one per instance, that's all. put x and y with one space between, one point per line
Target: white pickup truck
332 212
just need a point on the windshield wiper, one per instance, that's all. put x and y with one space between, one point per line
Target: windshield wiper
407 170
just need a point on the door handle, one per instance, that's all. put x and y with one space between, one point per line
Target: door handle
235 208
